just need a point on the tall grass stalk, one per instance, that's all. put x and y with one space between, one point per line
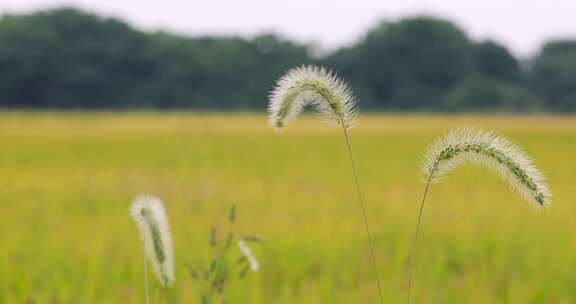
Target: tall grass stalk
487 149
333 99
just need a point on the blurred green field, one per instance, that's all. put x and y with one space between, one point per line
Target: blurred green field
67 180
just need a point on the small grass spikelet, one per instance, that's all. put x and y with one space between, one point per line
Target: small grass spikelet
149 215
490 150
311 85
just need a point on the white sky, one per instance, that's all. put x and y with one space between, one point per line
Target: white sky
520 24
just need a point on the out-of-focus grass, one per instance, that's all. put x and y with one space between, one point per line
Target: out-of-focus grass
67 180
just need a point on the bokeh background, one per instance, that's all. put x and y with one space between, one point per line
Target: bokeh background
104 100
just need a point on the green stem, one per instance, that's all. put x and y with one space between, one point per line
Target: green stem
363 207
414 242
146 291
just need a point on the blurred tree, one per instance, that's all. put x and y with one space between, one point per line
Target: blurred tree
66 58
480 93
409 64
496 83
494 61
553 75
238 73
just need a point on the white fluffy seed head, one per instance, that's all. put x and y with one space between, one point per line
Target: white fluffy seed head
493 151
148 213
247 252
316 86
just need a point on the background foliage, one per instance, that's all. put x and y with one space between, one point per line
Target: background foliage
69 59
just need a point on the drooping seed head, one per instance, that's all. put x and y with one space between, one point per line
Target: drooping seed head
311 85
492 151
247 252
148 213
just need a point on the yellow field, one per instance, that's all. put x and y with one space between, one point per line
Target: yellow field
67 181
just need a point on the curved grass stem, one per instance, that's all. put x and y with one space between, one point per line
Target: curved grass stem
364 215
146 291
414 242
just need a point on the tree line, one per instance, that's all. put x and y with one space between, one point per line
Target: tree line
70 59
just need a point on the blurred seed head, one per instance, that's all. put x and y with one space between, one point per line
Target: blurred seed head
247 252
232 216
149 215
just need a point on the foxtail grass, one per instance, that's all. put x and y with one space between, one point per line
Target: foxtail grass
149 215
333 99
484 148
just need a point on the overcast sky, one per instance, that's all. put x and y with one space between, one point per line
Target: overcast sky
520 24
